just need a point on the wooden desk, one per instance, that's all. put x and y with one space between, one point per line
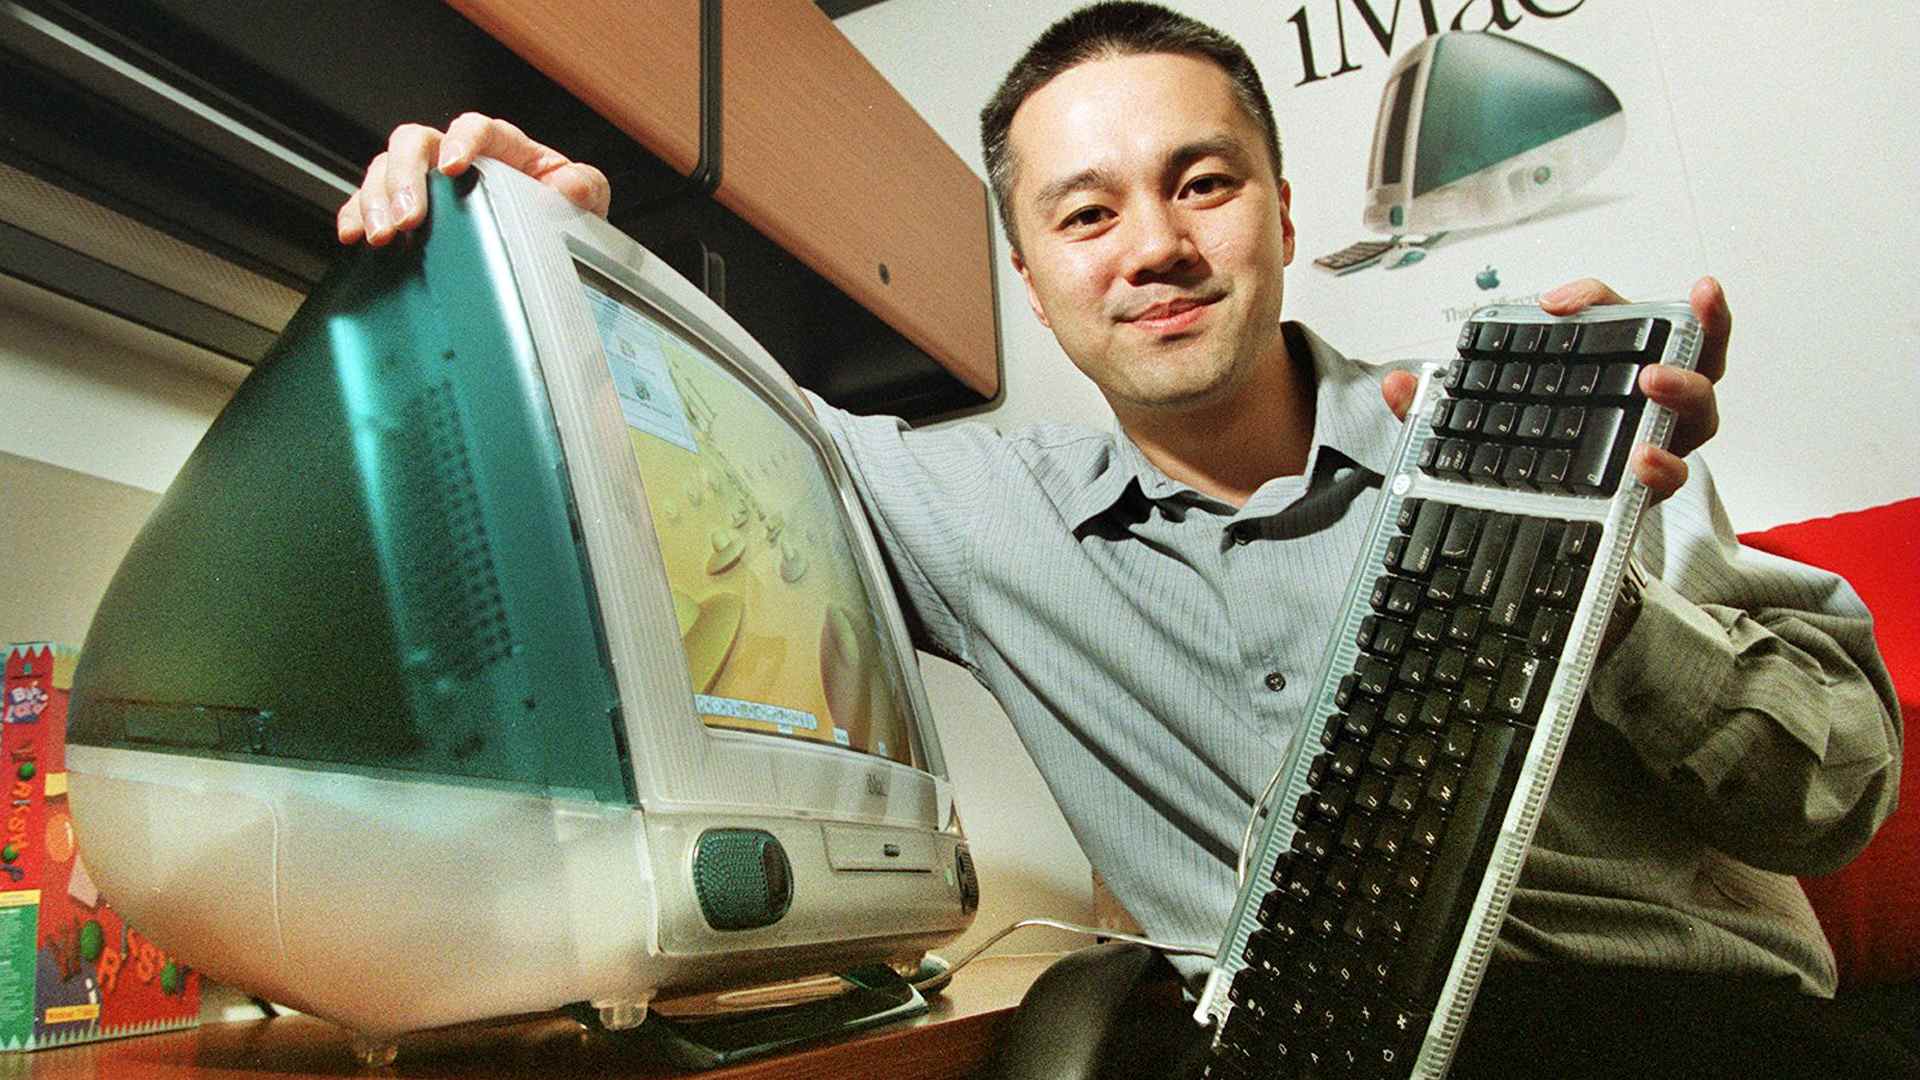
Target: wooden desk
946 1043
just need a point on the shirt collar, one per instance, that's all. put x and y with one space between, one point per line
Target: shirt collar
1350 419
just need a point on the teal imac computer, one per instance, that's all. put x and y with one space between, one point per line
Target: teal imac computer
1476 130
513 642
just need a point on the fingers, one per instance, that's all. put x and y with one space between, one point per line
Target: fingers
392 198
1709 303
1660 470
1577 296
1690 395
1398 389
473 134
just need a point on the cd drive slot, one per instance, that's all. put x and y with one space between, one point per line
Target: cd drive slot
879 849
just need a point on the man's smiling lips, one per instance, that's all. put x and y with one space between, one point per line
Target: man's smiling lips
1170 316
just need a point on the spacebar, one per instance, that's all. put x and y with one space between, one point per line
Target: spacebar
1454 879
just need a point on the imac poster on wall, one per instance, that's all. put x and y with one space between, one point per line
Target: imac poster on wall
1442 161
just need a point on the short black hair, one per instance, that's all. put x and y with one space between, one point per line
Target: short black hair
1099 32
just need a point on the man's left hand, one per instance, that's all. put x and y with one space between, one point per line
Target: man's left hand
1688 393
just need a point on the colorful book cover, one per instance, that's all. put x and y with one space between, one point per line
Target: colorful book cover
70 969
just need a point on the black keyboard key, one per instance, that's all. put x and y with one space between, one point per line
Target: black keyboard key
1618 379
1419 754
1476 693
1527 337
1347 760
1485 466
1370 795
1480 377
1597 461
1343 696
1515 377
1444 588
1429 627
1547 380
1561 337
1535 420
1522 462
1423 539
1523 686
1578 541
1461 532
1617 336
1376 676
1487 654
1315 842
1464 628
1361 720
1405 797
1501 419
1492 337
1568 422
1415 668
1509 597
1465 417
1551 473
1467 332
1581 379
1386 751
1549 631
1487 782
1495 535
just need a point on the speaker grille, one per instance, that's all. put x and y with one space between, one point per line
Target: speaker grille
742 878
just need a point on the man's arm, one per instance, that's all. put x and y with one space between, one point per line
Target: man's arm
1751 689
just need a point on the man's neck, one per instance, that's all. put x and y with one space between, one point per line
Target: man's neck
1227 448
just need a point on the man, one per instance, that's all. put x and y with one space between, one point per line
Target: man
1150 607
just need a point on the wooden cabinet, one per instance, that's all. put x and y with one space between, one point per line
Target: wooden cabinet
816 151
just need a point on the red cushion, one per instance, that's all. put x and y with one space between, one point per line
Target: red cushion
1871 908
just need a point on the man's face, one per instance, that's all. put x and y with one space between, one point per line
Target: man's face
1153 232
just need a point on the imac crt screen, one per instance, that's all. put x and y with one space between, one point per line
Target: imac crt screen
779 628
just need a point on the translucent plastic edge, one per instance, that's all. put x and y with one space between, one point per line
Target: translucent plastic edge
1620 515
1621 518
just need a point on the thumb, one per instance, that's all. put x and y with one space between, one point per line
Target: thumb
1398 389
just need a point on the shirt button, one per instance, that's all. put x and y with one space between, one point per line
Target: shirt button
1276 681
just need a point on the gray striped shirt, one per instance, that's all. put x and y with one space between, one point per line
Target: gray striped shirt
1158 650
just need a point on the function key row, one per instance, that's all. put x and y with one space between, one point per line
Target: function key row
1610 337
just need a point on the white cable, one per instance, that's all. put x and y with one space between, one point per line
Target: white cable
1091 931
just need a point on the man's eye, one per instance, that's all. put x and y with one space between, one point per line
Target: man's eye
1084 217
1203 186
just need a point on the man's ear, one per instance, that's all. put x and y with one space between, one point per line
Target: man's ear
1033 296
1286 221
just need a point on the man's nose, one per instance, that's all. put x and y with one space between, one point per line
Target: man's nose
1160 242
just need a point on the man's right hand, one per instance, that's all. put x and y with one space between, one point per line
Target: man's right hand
393 197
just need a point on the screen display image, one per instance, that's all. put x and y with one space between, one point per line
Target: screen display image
780 631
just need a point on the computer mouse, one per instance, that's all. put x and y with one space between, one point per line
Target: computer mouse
1400 255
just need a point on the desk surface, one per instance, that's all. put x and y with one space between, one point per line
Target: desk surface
948 1042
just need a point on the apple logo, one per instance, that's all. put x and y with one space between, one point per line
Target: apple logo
1488 278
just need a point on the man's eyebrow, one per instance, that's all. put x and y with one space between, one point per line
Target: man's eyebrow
1058 190
1224 146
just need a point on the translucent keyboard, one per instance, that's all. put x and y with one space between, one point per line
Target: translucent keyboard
1378 884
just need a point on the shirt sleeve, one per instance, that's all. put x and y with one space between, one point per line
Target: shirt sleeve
1751 688
924 493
